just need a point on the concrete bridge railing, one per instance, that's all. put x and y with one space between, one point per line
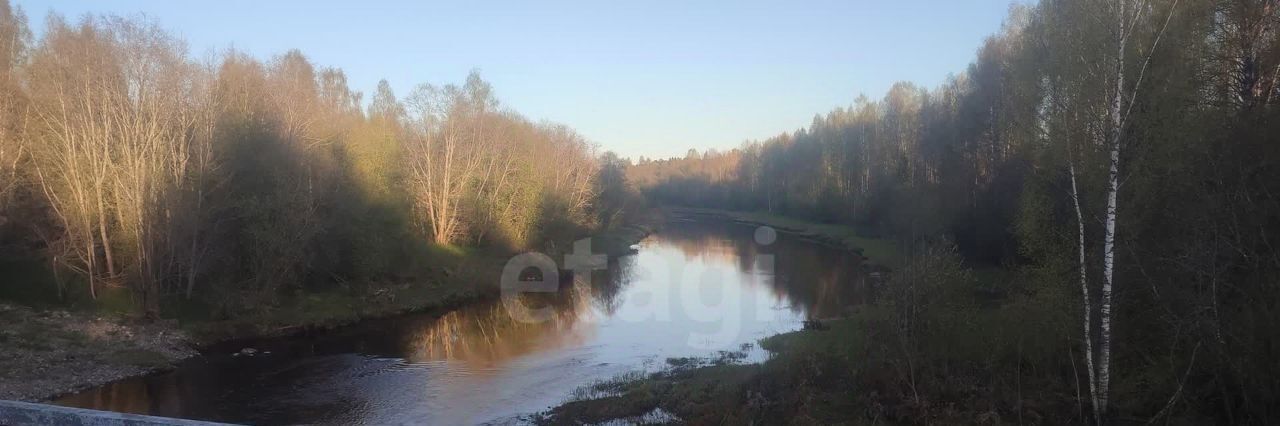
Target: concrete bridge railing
25 413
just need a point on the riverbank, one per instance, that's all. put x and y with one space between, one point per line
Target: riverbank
464 277
875 251
49 352
804 382
961 346
985 367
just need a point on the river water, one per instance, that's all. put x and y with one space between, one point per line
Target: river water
691 290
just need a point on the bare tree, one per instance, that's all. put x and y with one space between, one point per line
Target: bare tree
14 37
119 117
444 155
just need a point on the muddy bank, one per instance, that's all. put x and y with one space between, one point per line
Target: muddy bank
46 353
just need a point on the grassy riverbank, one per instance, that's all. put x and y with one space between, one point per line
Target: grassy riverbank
984 366
463 276
941 343
878 251
48 350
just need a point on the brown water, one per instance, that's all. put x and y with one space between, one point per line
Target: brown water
693 289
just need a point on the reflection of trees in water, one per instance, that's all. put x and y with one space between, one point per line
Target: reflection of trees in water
487 335
607 285
712 243
815 279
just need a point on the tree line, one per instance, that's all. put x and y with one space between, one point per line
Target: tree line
1122 154
128 163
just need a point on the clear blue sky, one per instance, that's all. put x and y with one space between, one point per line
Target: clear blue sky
651 78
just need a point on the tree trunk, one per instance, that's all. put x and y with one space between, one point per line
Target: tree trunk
109 258
93 291
1108 249
1084 296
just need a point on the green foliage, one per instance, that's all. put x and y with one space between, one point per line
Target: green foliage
970 359
988 159
615 195
265 190
262 181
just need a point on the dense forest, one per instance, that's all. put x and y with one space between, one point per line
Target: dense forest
130 166
1122 156
1088 216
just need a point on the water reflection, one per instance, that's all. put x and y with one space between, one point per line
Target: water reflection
690 290
486 336
818 281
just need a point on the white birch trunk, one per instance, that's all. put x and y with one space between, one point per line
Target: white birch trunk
1108 249
1085 297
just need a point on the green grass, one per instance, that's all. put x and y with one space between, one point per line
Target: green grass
330 308
32 283
607 388
852 333
878 250
633 394
113 300
448 251
316 307
971 361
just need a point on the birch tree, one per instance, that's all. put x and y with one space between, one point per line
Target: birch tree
1125 17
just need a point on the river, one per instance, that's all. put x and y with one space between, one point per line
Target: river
691 290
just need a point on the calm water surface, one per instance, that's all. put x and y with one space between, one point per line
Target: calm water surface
693 289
